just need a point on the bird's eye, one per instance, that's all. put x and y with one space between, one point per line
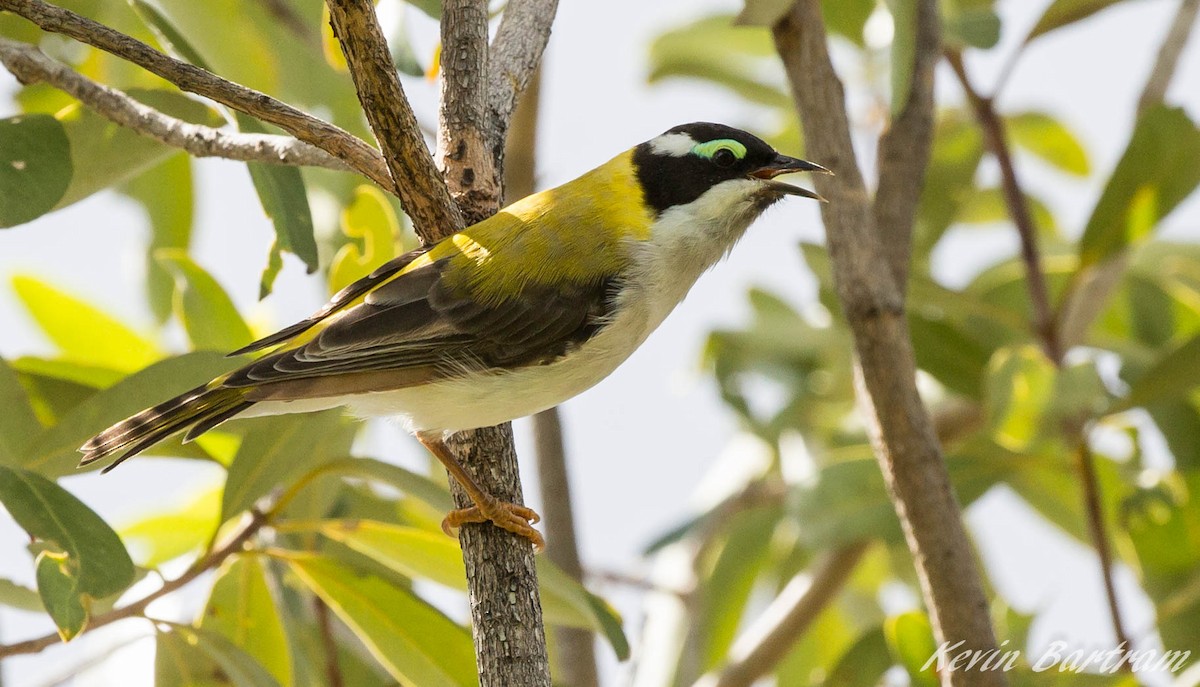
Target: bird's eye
724 157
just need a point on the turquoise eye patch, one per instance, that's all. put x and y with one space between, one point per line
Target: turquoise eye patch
710 148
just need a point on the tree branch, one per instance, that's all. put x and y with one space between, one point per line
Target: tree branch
1168 55
337 142
997 142
31 65
515 55
769 639
418 184
137 608
904 150
901 431
463 153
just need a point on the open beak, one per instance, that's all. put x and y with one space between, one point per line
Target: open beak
782 164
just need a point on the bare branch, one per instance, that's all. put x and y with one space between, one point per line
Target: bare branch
210 562
515 55
422 192
1168 55
769 639
997 142
31 65
464 153
341 144
899 425
904 149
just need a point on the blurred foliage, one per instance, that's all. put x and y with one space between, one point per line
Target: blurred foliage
350 537
1127 303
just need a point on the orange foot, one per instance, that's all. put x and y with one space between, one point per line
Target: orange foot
509 516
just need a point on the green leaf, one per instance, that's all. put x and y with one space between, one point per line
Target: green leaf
35 167
950 179
192 657
1020 388
284 198
166 193
1175 374
414 641
714 49
422 554
910 638
977 27
863 664
61 593
945 351
271 270
847 502
105 154
1156 172
743 552
162 537
1063 12
18 423
418 486
988 205
19 596
208 315
847 17
1047 138
82 332
242 609
94 563
276 450
55 451
369 218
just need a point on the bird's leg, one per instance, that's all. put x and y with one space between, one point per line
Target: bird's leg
509 516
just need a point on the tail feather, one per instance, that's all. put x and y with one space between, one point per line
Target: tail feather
201 409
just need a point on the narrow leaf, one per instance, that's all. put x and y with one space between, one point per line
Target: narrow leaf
1060 13
188 656
1046 137
81 331
166 194
414 641
164 536
284 198
208 315
18 423
1173 375
242 609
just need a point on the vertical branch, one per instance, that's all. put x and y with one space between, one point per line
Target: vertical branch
506 612
1094 510
900 427
575 648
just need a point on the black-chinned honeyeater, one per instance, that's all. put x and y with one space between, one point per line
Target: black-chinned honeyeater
507 317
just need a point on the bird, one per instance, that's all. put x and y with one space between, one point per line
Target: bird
507 317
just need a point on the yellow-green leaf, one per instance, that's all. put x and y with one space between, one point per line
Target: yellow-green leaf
18 423
161 537
242 609
1020 387
910 638
369 219
81 331
208 315
413 640
1046 137
59 587
192 657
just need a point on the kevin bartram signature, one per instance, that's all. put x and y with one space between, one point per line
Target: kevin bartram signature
1057 656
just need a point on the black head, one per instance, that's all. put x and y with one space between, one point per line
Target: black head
683 163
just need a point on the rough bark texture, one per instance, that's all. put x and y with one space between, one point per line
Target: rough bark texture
902 434
506 611
515 55
193 79
421 190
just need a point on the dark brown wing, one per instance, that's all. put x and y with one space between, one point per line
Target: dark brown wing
415 328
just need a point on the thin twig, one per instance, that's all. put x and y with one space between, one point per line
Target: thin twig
769 639
902 434
337 142
31 65
418 184
1099 534
214 559
1168 55
997 142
